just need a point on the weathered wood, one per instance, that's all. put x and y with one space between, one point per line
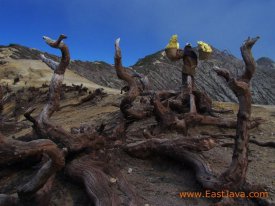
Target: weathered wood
52 64
146 147
253 141
96 177
235 175
190 86
166 118
72 142
133 89
96 183
42 125
57 79
14 151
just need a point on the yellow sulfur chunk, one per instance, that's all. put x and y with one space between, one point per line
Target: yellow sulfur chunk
204 47
173 43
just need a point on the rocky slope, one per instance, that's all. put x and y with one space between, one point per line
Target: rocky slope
20 67
164 74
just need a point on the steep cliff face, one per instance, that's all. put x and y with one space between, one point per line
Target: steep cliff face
164 74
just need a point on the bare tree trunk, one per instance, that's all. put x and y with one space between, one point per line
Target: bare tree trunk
235 176
57 79
42 125
134 90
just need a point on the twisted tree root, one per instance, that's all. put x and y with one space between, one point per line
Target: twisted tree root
14 151
99 178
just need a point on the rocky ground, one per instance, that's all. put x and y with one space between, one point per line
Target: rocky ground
158 180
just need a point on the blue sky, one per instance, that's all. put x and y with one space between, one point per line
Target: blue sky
144 26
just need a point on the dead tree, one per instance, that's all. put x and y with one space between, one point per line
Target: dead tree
37 190
169 119
42 125
57 79
234 178
173 110
133 89
53 146
174 100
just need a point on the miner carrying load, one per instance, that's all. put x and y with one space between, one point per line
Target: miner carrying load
190 62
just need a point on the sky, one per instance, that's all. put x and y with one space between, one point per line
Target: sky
144 26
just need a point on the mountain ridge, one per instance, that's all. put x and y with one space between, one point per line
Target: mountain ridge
164 74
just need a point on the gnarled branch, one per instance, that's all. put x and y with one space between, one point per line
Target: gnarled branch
57 79
133 89
235 176
250 65
96 176
51 63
